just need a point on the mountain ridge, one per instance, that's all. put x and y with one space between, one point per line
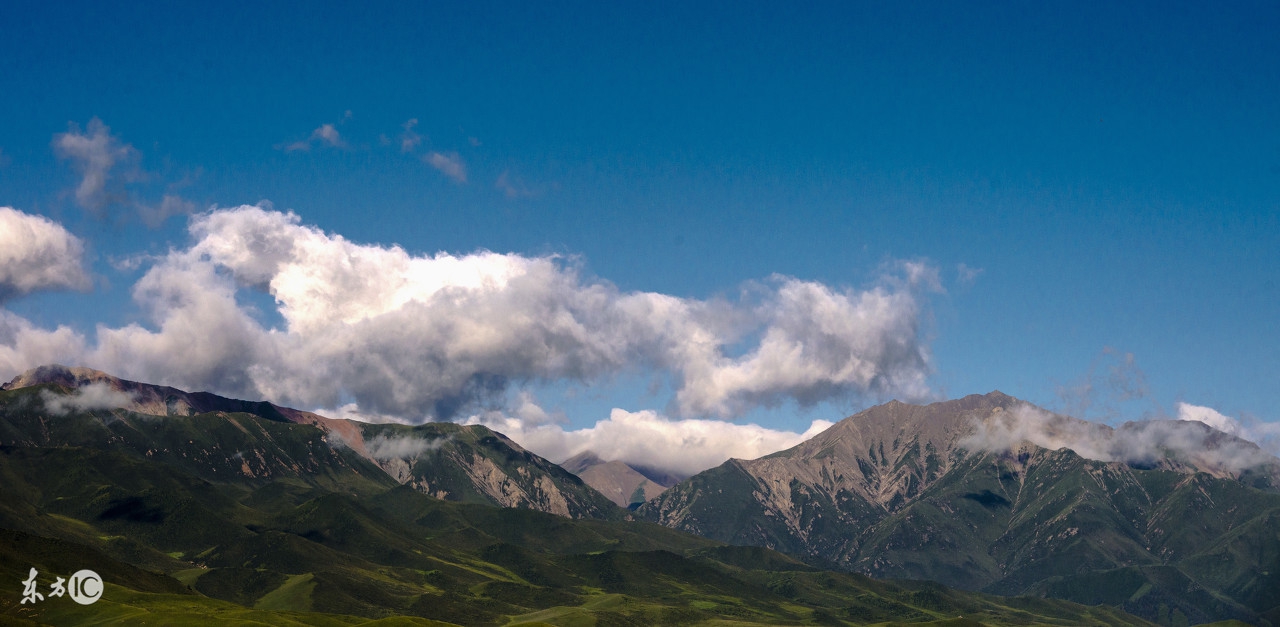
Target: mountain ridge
903 491
314 533
446 460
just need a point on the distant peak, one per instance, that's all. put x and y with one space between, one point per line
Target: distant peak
581 462
57 374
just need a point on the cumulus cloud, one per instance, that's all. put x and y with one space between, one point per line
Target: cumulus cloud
24 346
418 337
37 253
449 164
406 447
817 343
96 395
1140 443
647 438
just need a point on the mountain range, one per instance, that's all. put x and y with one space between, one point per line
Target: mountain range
192 505
195 508
907 491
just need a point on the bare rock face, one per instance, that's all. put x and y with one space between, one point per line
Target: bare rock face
858 471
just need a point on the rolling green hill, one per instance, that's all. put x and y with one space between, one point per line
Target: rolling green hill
247 519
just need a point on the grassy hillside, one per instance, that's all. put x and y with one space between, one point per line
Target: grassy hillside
315 534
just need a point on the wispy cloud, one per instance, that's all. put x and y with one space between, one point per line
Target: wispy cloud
110 174
1113 380
966 274
512 187
37 254
102 161
325 135
409 140
449 164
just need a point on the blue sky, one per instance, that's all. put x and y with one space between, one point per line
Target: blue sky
1096 187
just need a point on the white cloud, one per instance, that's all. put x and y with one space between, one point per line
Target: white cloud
326 134
37 253
407 447
422 337
816 343
1264 434
450 165
95 153
1142 442
96 395
24 346
646 438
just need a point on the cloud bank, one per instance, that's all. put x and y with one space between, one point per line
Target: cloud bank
1142 443
646 438
37 254
422 337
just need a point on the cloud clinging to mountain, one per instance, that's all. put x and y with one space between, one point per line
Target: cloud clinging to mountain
647 438
1141 442
429 336
96 395
1264 434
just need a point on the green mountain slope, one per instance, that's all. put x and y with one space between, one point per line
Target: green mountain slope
893 492
315 533
461 463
